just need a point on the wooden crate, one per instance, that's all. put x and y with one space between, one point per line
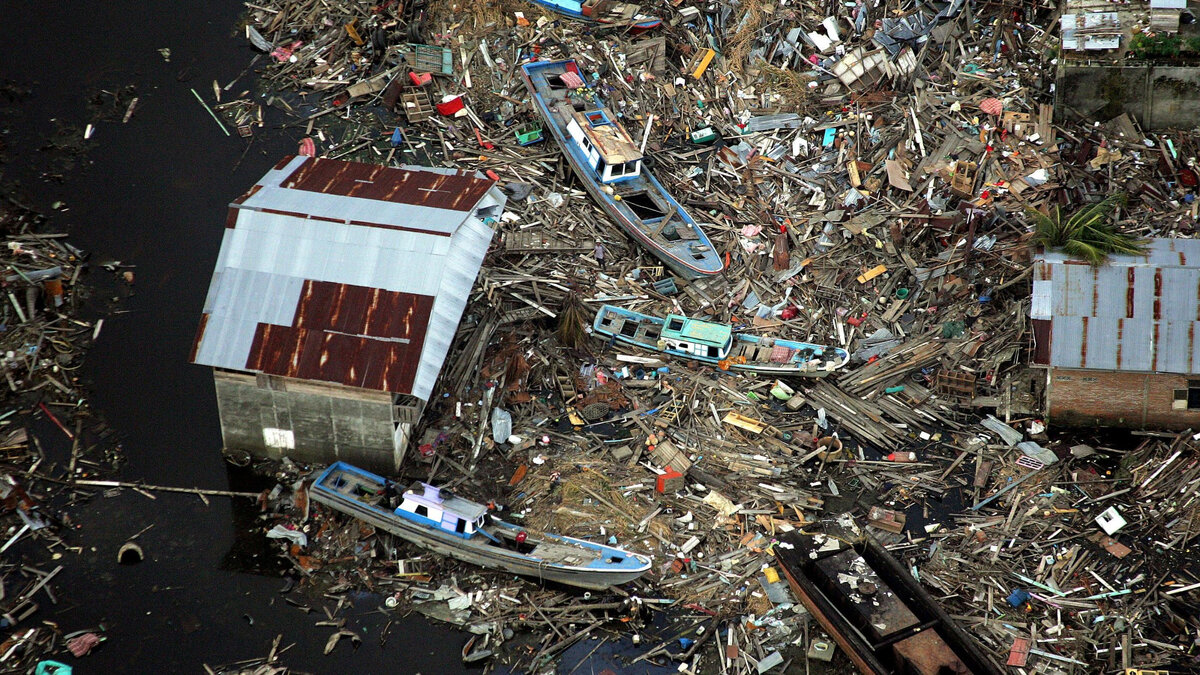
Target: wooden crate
954 385
415 104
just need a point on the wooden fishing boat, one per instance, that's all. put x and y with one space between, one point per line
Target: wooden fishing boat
603 12
717 343
444 523
611 167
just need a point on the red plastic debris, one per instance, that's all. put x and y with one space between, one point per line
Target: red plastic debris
448 108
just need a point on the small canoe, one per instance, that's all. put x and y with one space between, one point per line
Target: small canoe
718 344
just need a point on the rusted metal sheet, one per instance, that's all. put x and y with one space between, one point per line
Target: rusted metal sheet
358 310
399 186
355 361
199 337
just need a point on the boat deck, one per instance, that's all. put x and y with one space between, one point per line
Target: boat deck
557 553
640 331
355 486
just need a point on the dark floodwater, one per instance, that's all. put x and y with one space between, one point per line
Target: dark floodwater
153 192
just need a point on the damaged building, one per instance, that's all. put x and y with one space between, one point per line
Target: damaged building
336 293
1119 341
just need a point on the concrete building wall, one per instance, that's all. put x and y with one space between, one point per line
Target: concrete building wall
272 416
1158 96
1103 398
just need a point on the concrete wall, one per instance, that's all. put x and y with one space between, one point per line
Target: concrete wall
272 416
1158 96
1134 400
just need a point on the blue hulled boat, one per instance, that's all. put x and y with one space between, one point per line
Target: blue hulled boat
718 344
603 12
610 166
435 519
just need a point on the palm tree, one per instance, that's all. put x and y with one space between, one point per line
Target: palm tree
1087 234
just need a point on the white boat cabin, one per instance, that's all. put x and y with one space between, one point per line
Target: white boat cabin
610 151
706 339
440 509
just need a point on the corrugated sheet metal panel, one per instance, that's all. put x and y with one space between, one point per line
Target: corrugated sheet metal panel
1073 290
226 342
1066 341
356 361
1109 291
358 310
1137 345
1099 349
1135 313
344 254
1175 346
238 300
461 267
380 183
350 303
358 210
1180 294
1143 293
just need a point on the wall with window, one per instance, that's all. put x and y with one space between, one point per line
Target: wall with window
1076 397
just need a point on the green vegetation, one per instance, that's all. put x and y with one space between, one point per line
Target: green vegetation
1087 234
1155 46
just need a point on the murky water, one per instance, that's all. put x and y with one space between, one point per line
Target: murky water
153 192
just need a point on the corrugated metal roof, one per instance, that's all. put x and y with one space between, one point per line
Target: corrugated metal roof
410 199
1134 313
369 302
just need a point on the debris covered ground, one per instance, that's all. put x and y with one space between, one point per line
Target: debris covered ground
870 174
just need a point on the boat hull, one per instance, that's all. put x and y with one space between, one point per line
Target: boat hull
681 262
476 552
778 370
635 26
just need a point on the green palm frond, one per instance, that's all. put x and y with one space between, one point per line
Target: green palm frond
1087 233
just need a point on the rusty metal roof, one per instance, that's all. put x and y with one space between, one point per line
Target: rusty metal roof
1134 313
370 297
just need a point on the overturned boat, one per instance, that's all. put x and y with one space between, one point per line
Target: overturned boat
605 12
717 343
435 519
610 166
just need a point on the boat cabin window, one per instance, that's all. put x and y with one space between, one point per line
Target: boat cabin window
461 527
714 352
643 206
626 169
675 325
421 510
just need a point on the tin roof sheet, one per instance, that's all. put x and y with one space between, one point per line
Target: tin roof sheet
1134 313
369 302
